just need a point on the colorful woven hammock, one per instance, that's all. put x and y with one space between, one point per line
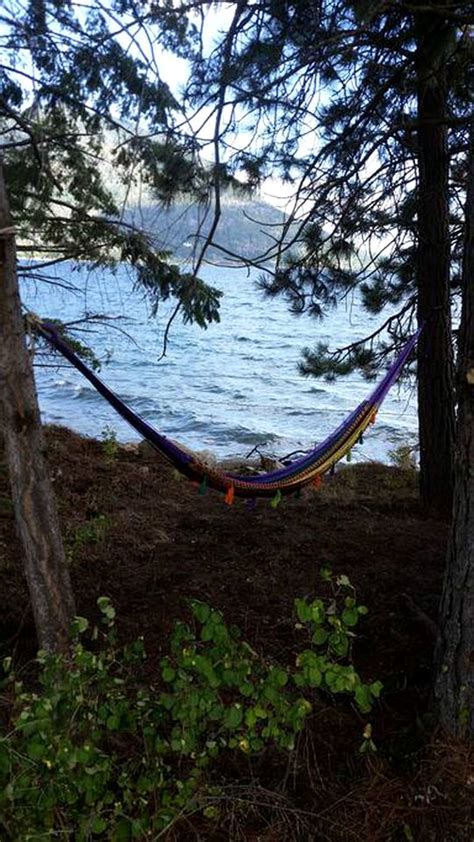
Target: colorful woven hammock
287 480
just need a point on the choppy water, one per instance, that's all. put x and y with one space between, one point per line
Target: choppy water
226 389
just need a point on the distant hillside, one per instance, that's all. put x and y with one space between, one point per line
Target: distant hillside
246 228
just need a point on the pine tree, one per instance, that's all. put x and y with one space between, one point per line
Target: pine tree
454 689
80 107
360 108
86 120
32 494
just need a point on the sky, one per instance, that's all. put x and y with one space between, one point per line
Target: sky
175 72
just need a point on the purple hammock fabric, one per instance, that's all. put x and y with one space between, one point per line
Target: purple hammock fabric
183 460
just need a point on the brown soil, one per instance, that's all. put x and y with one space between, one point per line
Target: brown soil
142 536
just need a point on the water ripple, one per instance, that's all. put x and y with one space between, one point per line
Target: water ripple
228 388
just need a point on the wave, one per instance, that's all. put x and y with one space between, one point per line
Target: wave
235 386
241 435
315 390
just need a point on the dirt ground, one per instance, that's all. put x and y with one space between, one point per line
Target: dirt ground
144 537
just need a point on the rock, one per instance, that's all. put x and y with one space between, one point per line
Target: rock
131 447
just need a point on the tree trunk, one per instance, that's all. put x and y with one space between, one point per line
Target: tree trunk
435 355
32 494
454 688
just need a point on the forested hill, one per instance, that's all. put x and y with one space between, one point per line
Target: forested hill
247 228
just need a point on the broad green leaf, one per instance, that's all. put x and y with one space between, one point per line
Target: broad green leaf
350 616
339 643
201 611
315 677
318 613
207 632
80 625
233 717
320 636
303 610
279 676
363 697
376 688
122 831
36 749
98 825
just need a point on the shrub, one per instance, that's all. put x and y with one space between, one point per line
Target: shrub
404 456
110 444
92 531
94 752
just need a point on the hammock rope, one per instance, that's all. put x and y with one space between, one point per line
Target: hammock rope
309 469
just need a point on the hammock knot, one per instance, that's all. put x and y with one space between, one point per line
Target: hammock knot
32 321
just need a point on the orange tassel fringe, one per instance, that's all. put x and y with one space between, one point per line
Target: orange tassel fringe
229 497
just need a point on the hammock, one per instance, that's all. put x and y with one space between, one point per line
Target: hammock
287 480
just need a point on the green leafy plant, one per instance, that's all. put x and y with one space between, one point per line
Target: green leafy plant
92 531
404 456
109 442
93 752
330 624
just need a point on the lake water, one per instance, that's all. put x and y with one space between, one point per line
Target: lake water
226 389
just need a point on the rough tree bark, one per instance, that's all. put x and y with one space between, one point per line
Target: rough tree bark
32 493
454 687
435 356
